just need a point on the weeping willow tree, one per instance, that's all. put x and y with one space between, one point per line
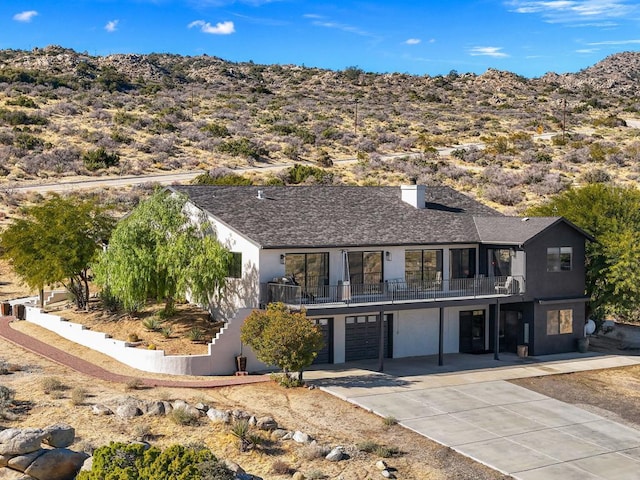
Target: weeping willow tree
159 252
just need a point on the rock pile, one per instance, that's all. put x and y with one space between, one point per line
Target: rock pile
41 454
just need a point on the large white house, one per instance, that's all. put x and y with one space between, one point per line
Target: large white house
445 273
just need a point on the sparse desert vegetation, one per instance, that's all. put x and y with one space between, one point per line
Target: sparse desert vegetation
64 113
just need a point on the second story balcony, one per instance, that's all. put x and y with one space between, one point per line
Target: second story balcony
391 291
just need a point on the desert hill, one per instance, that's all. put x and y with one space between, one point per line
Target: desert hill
66 113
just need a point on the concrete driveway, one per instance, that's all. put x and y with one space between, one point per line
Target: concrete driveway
481 415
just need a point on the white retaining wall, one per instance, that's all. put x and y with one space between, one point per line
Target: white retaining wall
220 360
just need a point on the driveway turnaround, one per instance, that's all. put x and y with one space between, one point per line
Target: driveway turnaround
504 426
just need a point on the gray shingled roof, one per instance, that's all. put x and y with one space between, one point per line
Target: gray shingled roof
348 216
512 230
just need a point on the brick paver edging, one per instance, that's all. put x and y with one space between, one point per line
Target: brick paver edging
78 364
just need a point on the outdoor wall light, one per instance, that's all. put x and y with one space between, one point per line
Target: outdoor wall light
387 255
282 256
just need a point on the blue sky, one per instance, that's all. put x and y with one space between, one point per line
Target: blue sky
408 36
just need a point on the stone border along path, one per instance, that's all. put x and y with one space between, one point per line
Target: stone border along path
63 358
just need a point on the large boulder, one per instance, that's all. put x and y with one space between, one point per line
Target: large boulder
267 423
301 437
22 462
100 409
15 441
219 416
57 464
60 435
128 410
154 408
336 454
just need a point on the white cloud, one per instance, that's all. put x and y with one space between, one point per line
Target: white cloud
220 28
413 41
111 25
25 16
616 42
487 51
569 11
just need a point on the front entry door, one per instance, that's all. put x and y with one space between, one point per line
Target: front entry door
472 331
509 331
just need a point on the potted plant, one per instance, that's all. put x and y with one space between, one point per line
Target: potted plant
241 361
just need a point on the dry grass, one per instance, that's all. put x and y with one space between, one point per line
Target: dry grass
326 418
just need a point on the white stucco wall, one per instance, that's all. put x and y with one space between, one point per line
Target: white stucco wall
415 332
220 359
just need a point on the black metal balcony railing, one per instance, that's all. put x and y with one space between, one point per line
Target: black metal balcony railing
395 290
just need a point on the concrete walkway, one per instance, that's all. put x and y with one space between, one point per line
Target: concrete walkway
469 406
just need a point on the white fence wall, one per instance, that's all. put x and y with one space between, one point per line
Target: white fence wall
220 360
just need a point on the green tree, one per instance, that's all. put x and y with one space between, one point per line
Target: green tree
611 215
157 251
282 338
55 242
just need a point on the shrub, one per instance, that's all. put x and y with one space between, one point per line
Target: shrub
216 130
108 301
313 451
300 173
195 334
280 467
52 384
386 452
78 396
227 179
368 446
316 475
287 381
20 118
27 141
152 324
166 331
100 158
137 461
241 429
7 395
134 384
389 421
22 101
142 432
596 175
242 147
183 416
324 159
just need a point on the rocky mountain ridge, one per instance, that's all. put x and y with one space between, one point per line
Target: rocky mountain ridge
618 73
